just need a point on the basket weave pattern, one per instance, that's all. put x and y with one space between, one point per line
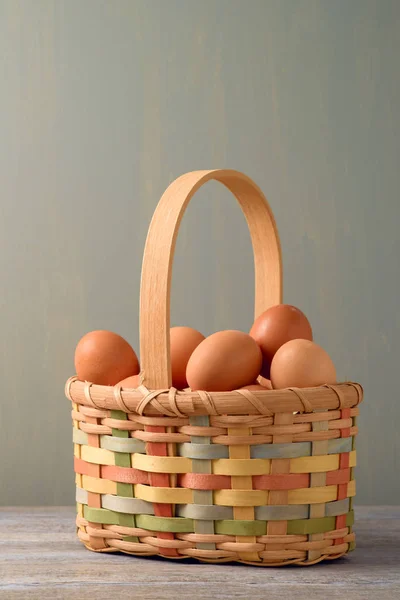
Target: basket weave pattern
267 489
263 477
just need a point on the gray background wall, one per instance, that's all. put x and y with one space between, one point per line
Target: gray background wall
102 104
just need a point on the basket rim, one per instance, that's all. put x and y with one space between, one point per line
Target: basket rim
185 403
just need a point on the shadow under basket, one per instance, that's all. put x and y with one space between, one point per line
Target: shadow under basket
258 477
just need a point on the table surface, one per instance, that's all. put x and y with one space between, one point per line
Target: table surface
40 557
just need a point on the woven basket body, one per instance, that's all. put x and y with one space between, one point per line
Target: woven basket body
265 478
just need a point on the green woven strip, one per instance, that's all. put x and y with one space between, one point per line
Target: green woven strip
241 527
339 507
123 460
307 526
127 521
163 524
79 437
121 444
294 450
107 517
352 546
202 451
340 445
204 512
124 489
131 506
322 525
224 527
101 515
129 538
282 513
171 524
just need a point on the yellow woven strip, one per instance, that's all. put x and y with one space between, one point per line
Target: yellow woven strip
240 497
163 495
243 482
240 467
318 494
313 495
162 464
351 488
315 464
80 514
77 454
97 456
76 409
353 458
318 464
99 486
260 466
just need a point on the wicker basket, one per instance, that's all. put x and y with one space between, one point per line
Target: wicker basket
265 478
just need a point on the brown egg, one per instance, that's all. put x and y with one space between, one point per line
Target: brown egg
183 341
276 326
224 361
104 357
130 382
301 363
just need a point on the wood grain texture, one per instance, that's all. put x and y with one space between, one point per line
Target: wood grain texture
41 558
155 289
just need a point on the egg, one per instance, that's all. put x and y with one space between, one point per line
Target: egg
301 363
105 358
224 361
183 342
130 382
276 326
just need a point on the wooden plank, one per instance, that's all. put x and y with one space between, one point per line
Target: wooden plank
41 558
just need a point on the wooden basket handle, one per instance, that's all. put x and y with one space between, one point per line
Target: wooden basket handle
158 258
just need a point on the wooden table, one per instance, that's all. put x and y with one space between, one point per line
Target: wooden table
40 557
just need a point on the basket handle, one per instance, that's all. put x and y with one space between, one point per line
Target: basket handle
158 257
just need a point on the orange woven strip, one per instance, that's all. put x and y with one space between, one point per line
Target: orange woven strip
160 480
124 474
120 474
84 468
339 477
203 481
344 462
